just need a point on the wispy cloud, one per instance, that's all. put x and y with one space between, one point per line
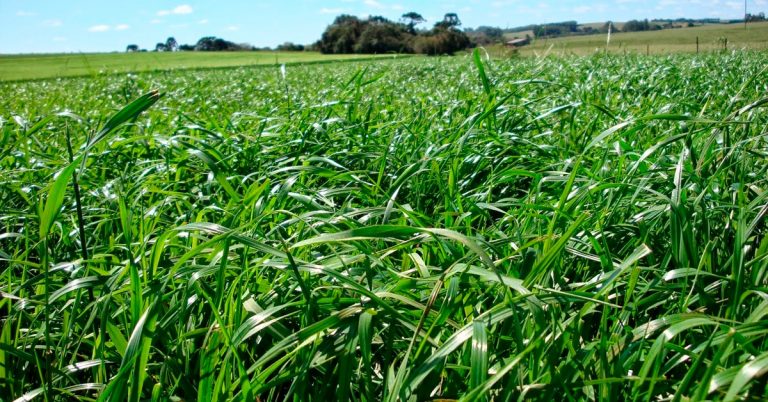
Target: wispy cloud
59 39
52 23
503 3
202 22
233 28
105 28
22 13
381 5
178 10
99 28
373 4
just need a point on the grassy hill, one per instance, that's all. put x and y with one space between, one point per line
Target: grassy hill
682 40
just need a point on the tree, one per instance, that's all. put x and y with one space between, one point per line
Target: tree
635 25
412 19
132 48
450 20
160 47
214 44
442 41
444 38
171 44
485 35
492 32
290 47
377 19
341 36
349 34
382 38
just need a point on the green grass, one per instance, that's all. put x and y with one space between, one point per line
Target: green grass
25 67
590 228
682 40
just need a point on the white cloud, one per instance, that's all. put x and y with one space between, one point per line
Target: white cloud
22 13
105 28
202 22
52 23
99 28
503 3
156 21
233 28
373 3
325 10
178 10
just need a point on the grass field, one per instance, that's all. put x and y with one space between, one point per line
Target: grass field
24 67
585 228
682 40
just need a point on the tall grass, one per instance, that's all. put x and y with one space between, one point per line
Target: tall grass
545 229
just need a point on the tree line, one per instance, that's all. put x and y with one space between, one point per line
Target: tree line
204 44
376 34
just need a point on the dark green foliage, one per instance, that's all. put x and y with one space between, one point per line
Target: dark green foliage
214 44
635 26
441 41
290 47
341 36
383 37
349 34
485 35
555 29
412 19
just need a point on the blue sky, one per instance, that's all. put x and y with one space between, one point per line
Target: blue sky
40 26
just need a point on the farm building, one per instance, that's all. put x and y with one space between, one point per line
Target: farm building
518 42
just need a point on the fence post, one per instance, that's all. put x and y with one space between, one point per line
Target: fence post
697 45
647 49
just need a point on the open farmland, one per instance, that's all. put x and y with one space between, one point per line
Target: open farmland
416 229
712 37
37 66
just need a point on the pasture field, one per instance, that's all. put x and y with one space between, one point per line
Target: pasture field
589 228
666 41
37 66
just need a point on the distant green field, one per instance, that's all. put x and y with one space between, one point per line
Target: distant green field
683 40
23 67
